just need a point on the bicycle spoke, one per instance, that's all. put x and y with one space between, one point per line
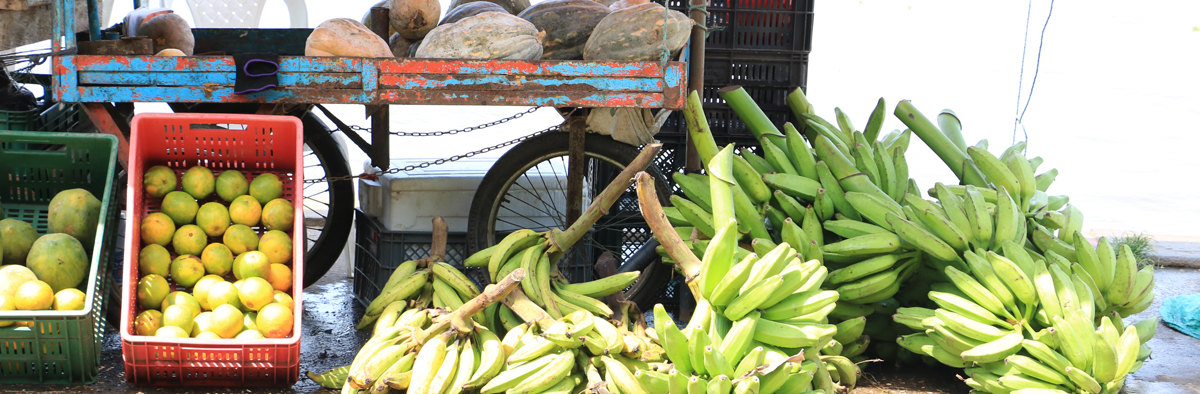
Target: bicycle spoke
537 196
519 215
547 188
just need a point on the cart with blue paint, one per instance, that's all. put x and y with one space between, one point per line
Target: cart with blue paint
205 83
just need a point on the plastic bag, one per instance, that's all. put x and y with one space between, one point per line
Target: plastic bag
1182 313
634 126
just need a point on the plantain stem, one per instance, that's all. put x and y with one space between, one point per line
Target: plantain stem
956 159
563 240
698 129
798 102
490 294
685 260
749 112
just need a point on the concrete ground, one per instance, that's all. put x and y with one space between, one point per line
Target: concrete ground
330 340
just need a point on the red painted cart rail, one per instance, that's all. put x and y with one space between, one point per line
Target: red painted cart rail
335 80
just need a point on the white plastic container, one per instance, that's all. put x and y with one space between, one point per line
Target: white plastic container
409 201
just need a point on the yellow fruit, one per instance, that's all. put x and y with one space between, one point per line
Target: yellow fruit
183 299
189 239
34 295
7 303
248 321
12 277
208 335
266 187
285 300
213 218
245 210
180 207
179 316
69 300
154 259
217 259
158 181
280 277
223 293
226 321
255 293
152 290
277 245
231 184
171 332
203 324
200 291
148 322
278 214
16 237
252 264
240 239
157 228
199 182
250 334
275 321
186 270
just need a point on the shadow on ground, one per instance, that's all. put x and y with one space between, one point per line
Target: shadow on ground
330 340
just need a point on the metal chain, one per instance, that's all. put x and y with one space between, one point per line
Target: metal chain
435 162
455 131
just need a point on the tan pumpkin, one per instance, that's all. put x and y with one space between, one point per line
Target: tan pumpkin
413 19
636 34
490 35
168 31
345 37
623 4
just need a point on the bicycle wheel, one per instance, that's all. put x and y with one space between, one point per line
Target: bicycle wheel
328 205
527 188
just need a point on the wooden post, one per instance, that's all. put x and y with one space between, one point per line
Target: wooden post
575 167
380 119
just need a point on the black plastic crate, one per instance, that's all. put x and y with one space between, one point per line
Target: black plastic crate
672 157
379 251
766 77
758 25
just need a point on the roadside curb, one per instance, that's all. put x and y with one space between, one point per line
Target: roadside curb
1177 254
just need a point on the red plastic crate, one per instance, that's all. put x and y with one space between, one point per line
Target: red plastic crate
252 144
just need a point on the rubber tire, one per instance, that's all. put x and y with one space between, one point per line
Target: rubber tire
527 154
322 254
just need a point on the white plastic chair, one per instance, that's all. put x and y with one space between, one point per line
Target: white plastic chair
231 13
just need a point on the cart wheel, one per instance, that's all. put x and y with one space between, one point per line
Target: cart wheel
526 188
328 206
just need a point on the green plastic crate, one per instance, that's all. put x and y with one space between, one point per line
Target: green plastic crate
20 120
62 347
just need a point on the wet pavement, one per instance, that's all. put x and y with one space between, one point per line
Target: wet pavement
330 340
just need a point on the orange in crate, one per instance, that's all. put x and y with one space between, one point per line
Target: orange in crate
253 145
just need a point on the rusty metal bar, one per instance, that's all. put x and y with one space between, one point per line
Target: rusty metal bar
107 124
575 168
695 77
380 119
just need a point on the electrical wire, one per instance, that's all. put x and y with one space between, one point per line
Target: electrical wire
1037 67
